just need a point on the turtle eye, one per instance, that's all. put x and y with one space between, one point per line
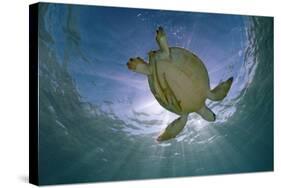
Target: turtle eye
131 59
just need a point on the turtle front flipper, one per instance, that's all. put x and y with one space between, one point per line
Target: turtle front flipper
171 97
158 90
219 92
162 41
139 65
173 129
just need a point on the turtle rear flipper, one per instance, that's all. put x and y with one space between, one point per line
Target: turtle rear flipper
207 114
219 92
173 129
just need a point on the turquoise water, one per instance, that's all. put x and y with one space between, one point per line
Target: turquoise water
99 121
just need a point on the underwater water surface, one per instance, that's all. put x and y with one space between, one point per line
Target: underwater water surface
98 121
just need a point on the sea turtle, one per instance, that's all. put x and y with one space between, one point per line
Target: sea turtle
180 83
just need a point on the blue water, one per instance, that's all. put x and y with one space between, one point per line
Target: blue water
99 121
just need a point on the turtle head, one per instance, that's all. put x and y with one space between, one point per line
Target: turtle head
151 55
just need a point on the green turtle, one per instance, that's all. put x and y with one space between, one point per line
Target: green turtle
180 83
